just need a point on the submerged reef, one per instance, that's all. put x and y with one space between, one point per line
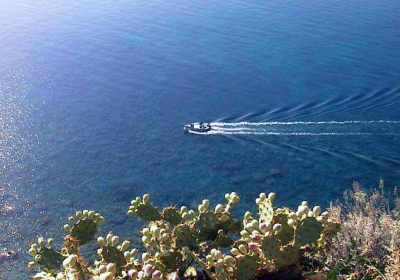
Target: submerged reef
206 243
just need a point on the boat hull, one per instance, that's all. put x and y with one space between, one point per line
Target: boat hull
197 128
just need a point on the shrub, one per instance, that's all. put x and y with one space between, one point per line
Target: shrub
367 247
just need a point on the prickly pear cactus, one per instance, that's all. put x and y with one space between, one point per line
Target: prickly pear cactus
287 256
308 231
50 258
172 261
84 227
45 256
209 224
270 246
227 223
111 253
171 215
286 234
177 240
183 236
246 268
148 213
265 207
205 225
224 241
144 210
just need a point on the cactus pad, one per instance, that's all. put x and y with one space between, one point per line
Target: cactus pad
246 268
206 225
184 236
172 262
84 231
308 231
230 225
286 235
224 241
266 210
270 247
148 212
171 215
50 258
113 255
288 255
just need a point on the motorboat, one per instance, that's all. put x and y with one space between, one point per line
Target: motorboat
198 127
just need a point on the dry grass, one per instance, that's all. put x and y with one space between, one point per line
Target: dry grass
367 247
392 271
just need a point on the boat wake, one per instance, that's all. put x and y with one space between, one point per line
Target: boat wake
301 128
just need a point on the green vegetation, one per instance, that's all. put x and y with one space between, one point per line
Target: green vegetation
209 243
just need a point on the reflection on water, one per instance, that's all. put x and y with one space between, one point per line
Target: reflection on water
18 142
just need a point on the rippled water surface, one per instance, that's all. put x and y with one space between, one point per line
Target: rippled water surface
303 97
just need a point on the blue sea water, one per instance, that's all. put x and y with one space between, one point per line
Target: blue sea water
94 95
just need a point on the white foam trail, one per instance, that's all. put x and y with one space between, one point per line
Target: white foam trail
237 128
225 124
275 128
221 132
